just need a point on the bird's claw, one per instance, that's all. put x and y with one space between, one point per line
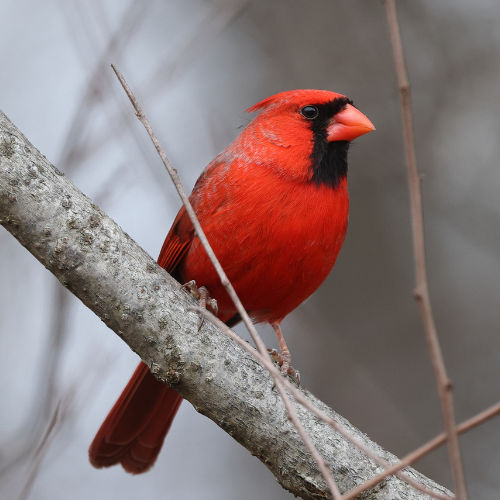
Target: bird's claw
283 359
202 295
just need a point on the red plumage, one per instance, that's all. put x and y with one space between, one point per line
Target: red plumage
274 206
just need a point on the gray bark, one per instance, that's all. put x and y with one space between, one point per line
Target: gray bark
92 256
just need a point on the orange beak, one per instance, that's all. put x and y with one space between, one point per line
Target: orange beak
348 124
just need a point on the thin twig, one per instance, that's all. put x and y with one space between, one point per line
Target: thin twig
300 398
426 448
444 384
114 48
104 87
218 18
278 379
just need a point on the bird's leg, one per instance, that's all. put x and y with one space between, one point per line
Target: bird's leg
283 358
202 295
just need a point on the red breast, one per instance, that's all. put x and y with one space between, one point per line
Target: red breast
274 204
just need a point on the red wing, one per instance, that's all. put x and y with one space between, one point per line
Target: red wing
177 242
181 234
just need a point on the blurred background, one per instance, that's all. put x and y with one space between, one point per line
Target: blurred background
358 342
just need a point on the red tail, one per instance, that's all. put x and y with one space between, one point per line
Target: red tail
136 426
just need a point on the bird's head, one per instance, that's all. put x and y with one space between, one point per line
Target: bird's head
327 113
306 133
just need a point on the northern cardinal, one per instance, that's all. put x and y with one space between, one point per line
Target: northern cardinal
274 206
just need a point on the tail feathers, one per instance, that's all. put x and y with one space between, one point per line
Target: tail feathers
136 426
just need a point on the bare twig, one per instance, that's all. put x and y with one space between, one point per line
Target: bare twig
115 46
103 86
229 288
209 26
421 290
426 448
179 58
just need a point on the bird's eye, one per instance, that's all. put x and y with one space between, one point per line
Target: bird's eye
309 112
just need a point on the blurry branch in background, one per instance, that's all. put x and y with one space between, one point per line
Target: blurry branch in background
72 154
178 59
444 383
103 85
73 142
48 436
137 299
220 15
39 453
71 402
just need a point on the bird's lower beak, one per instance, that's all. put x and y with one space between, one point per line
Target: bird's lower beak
348 124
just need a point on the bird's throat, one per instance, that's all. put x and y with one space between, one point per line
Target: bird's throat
329 160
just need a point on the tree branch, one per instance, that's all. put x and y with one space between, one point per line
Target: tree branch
115 278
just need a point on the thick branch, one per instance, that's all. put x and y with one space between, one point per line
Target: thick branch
115 278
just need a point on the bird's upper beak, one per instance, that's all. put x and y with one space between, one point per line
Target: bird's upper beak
348 124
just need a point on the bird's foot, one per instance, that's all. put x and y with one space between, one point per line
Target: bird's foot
202 295
283 359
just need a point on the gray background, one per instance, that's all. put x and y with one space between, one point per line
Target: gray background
358 341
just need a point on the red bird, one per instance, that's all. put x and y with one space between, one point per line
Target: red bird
274 206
